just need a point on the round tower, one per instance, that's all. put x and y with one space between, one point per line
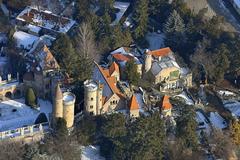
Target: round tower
99 98
90 96
58 103
148 61
68 108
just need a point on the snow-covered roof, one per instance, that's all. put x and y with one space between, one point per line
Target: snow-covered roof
233 106
202 121
124 54
46 19
68 97
122 6
33 28
24 40
217 121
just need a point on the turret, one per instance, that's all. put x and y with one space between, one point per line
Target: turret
148 61
90 97
58 103
68 108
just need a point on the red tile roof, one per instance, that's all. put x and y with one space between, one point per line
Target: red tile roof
114 67
111 81
121 57
166 105
133 103
160 52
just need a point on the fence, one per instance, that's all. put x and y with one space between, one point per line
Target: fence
25 131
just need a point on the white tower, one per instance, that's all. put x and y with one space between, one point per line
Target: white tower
68 108
92 97
148 61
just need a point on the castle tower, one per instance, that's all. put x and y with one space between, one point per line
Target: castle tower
58 103
68 108
91 97
148 61
99 98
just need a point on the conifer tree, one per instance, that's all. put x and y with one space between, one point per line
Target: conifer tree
30 98
186 127
131 72
64 53
141 18
174 23
174 28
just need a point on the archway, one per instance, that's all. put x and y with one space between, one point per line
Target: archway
8 95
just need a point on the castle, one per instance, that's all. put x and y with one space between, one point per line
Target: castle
101 94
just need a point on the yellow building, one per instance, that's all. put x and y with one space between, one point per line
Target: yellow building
165 70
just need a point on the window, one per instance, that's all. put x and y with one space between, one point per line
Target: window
91 113
91 107
111 103
91 99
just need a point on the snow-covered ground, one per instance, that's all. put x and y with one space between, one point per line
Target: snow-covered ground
24 115
233 106
155 40
91 153
122 6
226 93
186 98
217 121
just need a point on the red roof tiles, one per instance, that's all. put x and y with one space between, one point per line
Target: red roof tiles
160 52
133 103
166 105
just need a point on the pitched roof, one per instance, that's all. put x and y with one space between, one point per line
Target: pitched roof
121 57
58 93
111 81
160 52
133 103
114 67
166 103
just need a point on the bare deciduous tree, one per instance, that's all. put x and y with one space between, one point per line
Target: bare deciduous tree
85 43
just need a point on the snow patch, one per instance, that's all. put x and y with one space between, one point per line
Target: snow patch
186 98
91 153
122 6
155 40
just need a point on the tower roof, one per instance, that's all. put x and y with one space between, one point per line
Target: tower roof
166 103
58 92
133 103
